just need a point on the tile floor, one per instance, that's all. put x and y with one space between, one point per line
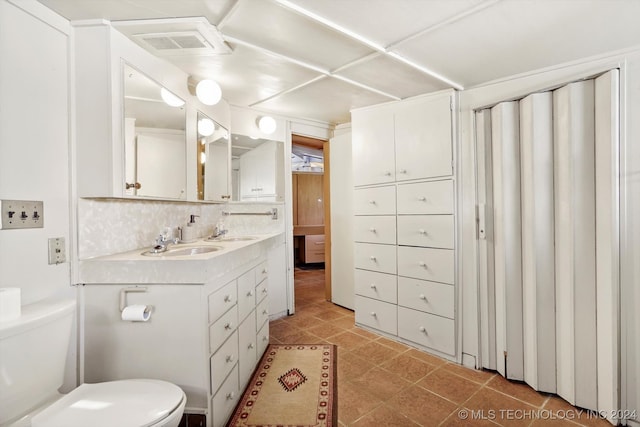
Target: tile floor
384 383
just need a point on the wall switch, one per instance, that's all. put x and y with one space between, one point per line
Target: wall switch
21 214
57 252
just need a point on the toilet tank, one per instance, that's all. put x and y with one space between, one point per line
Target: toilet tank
33 353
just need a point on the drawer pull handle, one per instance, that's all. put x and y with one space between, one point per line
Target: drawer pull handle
231 396
422 231
373 286
422 199
372 258
230 358
423 330
423 297
251 345
228 325
372 202
422 264
373 230
373 314
227 298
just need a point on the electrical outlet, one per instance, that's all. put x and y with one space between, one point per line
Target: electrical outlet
21 214
57 252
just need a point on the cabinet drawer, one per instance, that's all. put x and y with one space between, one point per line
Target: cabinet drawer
375 229
262 289
375 285
435 197
247 348
430 297
427 330
226 399
377 314
434 231
425 263
222 300
223 328
223 361
262 340
262 313
375 201
314 248
262 271
369 256
246 294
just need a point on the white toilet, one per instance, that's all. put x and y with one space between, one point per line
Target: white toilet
33 352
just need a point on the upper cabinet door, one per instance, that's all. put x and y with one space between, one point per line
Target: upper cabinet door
373 146
423 138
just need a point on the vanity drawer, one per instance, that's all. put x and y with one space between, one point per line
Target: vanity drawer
427 330
436 265
377 314
430 297
223 328
262 340
433 231
246 294
375 229
223 361
262 313
370 256
376 285
222 300
313 248
247 348
375 201
262 290
435 197
226 399
262 271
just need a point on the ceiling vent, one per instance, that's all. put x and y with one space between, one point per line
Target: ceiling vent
175 36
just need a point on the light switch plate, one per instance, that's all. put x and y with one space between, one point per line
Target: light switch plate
57 252
21 214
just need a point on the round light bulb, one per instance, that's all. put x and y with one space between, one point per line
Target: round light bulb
206 127
170 99
208 92
267 124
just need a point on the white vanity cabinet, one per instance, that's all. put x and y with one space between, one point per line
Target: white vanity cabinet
207 338
404 228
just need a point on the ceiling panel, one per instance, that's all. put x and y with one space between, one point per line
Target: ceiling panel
271 26
247 75
327 100
393 77
383 21
513 37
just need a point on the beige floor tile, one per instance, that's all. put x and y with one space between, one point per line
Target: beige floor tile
376 352
407 367
450 386
380 383
384 416
422 406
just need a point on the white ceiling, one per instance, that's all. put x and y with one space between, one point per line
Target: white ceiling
308 59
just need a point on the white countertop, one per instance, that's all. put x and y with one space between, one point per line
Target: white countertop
133 267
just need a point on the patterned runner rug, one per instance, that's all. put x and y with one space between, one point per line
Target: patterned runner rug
294 385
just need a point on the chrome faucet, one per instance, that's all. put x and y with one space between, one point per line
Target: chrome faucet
163 240
218 231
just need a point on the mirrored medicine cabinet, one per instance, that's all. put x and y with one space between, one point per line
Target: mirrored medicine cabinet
212 159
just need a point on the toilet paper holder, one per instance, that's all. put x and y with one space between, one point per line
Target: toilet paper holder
123 296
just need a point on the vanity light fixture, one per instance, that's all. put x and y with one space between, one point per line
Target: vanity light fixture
208 92
170 99
267 124
206 127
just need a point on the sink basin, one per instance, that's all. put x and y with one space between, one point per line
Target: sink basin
230 238
188 251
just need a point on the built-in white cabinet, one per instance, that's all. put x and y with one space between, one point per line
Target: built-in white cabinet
404 229
261 173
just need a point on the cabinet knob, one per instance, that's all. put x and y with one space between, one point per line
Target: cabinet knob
373 314
230 358
387 173
264 271
231 396
423 297
373 230
265 311
135 185
422 231
251 345
227 298
228 325
422 264
373 286
373 258
372 202
264 291
264 338
423 330
250 293
403 171
422 199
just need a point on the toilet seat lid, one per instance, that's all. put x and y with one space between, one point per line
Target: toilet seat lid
139 403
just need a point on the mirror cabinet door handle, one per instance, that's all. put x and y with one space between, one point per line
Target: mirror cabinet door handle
135 185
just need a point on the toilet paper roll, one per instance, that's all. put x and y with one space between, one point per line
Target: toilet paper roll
9 304
136 313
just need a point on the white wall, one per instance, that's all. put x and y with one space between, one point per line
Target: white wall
518 86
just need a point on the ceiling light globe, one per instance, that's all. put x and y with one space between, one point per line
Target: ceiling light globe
208 92
170 99
206 127
267 124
